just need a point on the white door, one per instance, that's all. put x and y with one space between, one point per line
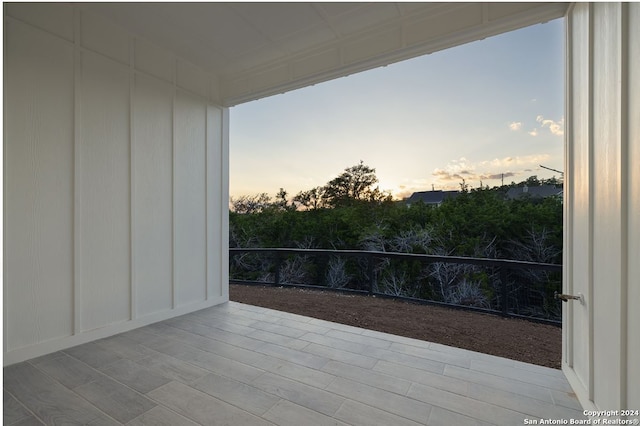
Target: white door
602 204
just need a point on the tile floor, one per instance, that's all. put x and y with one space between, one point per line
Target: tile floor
238 365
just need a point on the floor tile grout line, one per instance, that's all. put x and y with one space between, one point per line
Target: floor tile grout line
289 360
206 337
246 384
158 403
249 365
365 348
518 380
491 403
119 382
520 369
377 387
296 381
165 408
476 400
178 341
93 381
389 412
23 406
256 329
404 396
331 382
338 349
203 368
471 381
73 389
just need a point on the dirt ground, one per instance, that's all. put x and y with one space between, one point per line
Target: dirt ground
506 337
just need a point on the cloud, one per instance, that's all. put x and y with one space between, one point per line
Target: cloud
526 160
443 175
496 169
515 125
555 127
455 170
498 175
409 186
406 193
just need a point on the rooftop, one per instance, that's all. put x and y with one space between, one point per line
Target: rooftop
431 197
542 191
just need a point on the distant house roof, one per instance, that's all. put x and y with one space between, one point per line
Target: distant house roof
431 197
542 191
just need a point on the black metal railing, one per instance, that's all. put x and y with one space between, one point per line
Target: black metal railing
506 287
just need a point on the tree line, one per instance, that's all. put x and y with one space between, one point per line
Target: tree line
351 212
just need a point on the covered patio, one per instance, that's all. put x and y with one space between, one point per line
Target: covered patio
239 364
116 191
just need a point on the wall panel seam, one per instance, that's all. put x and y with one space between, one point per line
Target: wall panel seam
206 201
77 116
132 191
224 201
4 216
624 202
192 93
132 67
224 204
174 290
590 136
152 77
117 63
45 31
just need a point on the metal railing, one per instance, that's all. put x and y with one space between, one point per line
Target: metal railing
505 287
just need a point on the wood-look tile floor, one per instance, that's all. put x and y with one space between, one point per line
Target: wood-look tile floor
239 365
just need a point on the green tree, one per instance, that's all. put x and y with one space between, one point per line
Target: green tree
355 184
310 200
282 203
247 204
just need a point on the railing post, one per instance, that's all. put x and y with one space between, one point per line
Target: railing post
370 272
276 278
503 295
321 269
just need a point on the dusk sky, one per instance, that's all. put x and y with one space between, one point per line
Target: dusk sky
474 111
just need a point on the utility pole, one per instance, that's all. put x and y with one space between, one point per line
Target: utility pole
553 170
502 179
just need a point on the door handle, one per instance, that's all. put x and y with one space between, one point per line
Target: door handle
566 297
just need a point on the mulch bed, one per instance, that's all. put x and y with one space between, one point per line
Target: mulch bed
516 339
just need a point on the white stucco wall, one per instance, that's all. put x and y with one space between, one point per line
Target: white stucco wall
115 182
602 197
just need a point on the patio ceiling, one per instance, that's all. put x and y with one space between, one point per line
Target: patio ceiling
260 49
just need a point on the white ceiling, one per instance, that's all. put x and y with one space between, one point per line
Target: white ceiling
257 49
